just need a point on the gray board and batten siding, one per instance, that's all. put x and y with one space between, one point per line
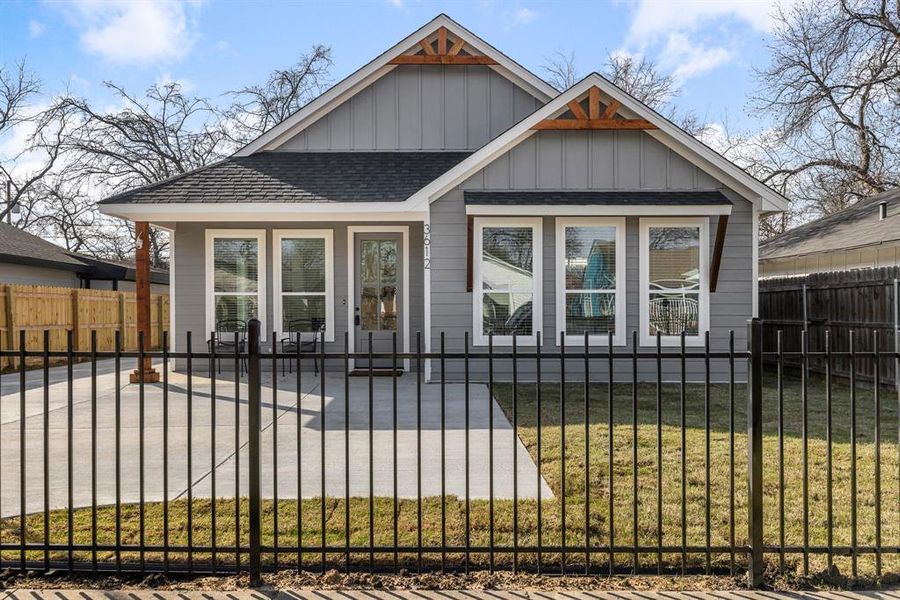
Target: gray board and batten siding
598 160
190 281
421 108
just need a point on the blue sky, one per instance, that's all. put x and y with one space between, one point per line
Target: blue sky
214 45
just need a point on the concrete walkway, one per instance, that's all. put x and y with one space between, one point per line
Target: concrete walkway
436 595
283 415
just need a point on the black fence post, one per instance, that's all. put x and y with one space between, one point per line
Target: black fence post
254 416
754 447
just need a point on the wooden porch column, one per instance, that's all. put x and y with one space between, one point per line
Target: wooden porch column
142 296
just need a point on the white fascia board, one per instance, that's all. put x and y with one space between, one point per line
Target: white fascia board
617 210
334 96
254 212
668 134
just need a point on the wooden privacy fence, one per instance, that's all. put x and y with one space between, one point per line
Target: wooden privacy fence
35 308
864 301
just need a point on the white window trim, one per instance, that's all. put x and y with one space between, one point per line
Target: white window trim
674 340
601 340
537 307
277 301
262 265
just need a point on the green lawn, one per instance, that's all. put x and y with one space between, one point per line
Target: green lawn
599 519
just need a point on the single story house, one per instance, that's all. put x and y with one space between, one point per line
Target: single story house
30 260
864 235
444 189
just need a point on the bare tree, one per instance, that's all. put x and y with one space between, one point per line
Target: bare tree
18 87
641 78
26 165
832 89
560 70
151 138
257 108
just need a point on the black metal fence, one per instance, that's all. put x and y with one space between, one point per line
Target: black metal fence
607 476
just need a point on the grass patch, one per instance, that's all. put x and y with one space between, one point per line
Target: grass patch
591 433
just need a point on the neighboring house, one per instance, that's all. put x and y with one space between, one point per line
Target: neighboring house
862 236
28 259
444 188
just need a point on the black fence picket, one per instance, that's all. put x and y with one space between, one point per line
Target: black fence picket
566 539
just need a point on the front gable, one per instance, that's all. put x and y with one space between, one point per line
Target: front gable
441 88
421 107
577 141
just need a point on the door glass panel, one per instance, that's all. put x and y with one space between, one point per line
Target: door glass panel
369 308
378 276
388 257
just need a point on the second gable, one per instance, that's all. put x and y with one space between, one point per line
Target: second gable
421 108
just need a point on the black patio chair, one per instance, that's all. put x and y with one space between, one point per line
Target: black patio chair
313 330
227 343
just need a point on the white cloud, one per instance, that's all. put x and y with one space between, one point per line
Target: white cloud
687 59
523 16
396 3
35 29
657 18
693 37
133 33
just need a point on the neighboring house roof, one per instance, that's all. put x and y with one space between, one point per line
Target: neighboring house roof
23 248
318 107
857 226
300 177
638 198
667 133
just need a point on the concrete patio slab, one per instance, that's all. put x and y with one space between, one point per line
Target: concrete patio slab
294 415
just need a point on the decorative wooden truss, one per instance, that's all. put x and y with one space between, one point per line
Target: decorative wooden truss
435 51
594 119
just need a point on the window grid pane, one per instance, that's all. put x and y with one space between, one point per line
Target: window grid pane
507 256
674 257
234 306
303 265
591 313
590 258
505 313
236 264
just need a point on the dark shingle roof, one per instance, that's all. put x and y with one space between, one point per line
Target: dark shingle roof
301 177
614 197
26 248
23 248
854 227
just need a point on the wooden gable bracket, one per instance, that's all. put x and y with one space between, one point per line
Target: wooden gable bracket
717 253
442 55
593 118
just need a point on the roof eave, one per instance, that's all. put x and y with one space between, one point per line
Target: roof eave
262 211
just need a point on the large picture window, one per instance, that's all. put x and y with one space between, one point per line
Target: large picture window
590 280
303 273
674 280
235 277
507 294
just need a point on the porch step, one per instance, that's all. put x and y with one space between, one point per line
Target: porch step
376 372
